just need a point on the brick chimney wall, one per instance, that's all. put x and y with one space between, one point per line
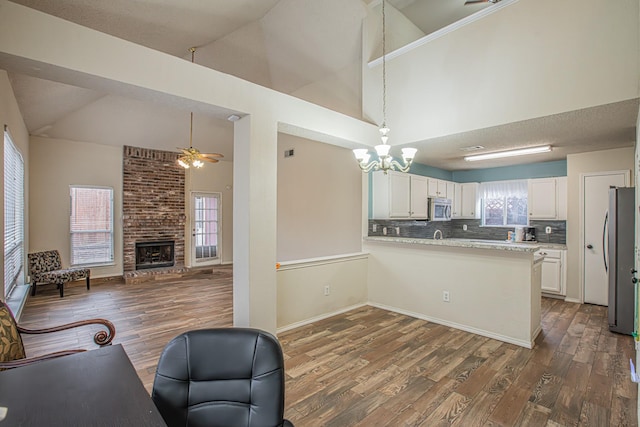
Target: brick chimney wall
153 201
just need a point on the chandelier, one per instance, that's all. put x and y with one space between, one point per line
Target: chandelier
384 162
192 157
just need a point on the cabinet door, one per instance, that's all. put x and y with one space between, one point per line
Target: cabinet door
442 189
432 189
450 193
457 200
542 199
468 197
399 195
551 275
419 198
561 189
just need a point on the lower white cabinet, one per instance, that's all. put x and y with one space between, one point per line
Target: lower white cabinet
553 271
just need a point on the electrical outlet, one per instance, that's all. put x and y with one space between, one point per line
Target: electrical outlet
397 231
445 296
384 231
464 227
547 230
374 227
327 290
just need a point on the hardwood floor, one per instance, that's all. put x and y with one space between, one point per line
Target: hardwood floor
371 367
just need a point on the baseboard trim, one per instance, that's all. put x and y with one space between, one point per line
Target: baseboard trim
482 332
318 318
577 301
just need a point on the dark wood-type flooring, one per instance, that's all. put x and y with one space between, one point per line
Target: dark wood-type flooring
371 367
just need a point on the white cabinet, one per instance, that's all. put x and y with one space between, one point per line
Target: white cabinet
553 271
419 199
399 195
450 193
548 198
457 200
469 203
437 188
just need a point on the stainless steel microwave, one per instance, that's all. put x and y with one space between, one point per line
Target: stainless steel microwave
439 209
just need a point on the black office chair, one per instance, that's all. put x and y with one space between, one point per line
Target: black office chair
228 377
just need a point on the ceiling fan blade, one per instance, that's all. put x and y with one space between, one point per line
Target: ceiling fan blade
475 1
213 155
206 159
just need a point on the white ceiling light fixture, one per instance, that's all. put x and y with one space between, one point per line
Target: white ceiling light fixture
385 161
192 156
510 153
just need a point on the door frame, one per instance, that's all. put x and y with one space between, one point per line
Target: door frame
627 178
192 249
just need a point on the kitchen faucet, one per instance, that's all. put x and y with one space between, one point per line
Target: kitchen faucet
436 233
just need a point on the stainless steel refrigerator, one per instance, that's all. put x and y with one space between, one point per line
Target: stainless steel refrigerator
620 239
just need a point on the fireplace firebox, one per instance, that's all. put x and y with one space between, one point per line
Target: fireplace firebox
154 254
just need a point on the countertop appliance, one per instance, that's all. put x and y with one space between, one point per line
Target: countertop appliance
439 209
529 234
618 240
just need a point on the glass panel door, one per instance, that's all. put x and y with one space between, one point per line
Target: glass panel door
206 228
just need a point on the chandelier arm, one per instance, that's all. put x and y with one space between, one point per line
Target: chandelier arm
373 165
400 167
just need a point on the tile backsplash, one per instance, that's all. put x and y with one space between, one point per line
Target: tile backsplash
454 229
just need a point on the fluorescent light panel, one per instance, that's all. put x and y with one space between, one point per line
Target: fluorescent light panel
510 153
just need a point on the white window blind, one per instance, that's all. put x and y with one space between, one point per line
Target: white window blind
504 203
13 215
91 225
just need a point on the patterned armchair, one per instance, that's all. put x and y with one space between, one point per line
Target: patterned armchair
46 267
12 354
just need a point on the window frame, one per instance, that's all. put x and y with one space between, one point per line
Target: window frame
17 225
505 216
111 232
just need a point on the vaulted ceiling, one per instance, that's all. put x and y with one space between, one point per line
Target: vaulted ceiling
310 49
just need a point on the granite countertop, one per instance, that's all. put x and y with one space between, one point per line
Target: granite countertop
502 245
559 246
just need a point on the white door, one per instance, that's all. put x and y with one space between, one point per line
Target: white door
595 189
205 235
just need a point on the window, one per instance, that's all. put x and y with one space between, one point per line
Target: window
13 215
504 203
91 225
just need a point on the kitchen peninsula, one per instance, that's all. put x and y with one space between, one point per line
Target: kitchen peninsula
490 288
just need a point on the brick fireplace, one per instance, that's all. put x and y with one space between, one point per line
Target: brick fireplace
153 204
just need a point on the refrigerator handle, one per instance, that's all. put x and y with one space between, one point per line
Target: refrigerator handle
604 241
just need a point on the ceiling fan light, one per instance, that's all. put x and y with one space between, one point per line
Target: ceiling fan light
182 163
197 163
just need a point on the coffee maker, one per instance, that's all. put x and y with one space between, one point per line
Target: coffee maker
529 234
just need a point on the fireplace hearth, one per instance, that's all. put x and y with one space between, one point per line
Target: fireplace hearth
154 254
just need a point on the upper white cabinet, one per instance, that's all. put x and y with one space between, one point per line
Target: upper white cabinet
440 188
469 203
548 198
457 200
399 195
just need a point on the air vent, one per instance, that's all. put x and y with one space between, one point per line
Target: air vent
472 148
288 153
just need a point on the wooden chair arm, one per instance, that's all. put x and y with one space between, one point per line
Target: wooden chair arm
101 338
24 362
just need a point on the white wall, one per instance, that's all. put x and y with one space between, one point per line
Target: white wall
301 288
57 164
10 115
212 178
529 59
319 200
596 161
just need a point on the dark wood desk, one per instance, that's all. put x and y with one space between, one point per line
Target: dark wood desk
94 388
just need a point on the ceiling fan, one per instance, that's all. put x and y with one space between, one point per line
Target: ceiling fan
480 1
192 156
